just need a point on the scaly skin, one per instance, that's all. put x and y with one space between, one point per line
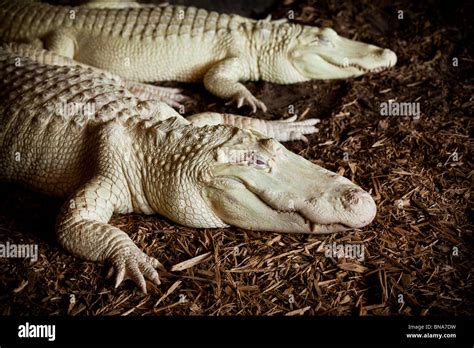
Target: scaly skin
152 43
285 130
128 155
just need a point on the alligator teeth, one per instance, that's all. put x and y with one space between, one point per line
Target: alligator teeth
313 227
357 66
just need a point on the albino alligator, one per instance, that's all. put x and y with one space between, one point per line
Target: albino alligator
153 43
127 155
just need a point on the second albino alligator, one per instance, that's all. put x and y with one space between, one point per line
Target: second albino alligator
153 43
126 155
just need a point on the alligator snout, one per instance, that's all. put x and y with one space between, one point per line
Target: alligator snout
387 56
354 195
360 204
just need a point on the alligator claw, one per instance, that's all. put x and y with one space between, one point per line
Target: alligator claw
168 95
246 98
290 129
172 96
132 263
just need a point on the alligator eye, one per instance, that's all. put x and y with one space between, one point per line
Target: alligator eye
324 40
260 162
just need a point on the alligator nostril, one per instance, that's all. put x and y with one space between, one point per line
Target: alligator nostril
360 206
353 195
379 52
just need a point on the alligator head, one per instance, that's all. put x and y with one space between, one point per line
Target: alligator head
312 53
259 184
255 183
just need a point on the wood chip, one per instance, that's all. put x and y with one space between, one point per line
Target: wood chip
171 289
191 262
298 311
354 267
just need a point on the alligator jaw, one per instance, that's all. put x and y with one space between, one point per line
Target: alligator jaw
312 227
391 61
285 194
329 228
362 69
323 54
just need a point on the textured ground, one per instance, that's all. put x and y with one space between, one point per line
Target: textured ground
419 171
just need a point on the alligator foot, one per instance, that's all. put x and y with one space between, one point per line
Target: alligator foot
132 263
244 97
283 130
290 129
168 95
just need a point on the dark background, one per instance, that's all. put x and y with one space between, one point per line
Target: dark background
408 247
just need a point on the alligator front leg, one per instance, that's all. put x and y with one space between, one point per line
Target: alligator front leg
82 229
223 79
284 130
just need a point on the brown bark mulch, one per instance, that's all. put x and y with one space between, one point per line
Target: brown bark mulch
418 252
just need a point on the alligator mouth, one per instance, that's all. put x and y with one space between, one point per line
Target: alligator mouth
315 227
312 226
361 68
327 228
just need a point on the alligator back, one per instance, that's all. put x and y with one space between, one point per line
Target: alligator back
23 20
49 120
144 43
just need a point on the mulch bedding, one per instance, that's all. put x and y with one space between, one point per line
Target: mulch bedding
417 252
